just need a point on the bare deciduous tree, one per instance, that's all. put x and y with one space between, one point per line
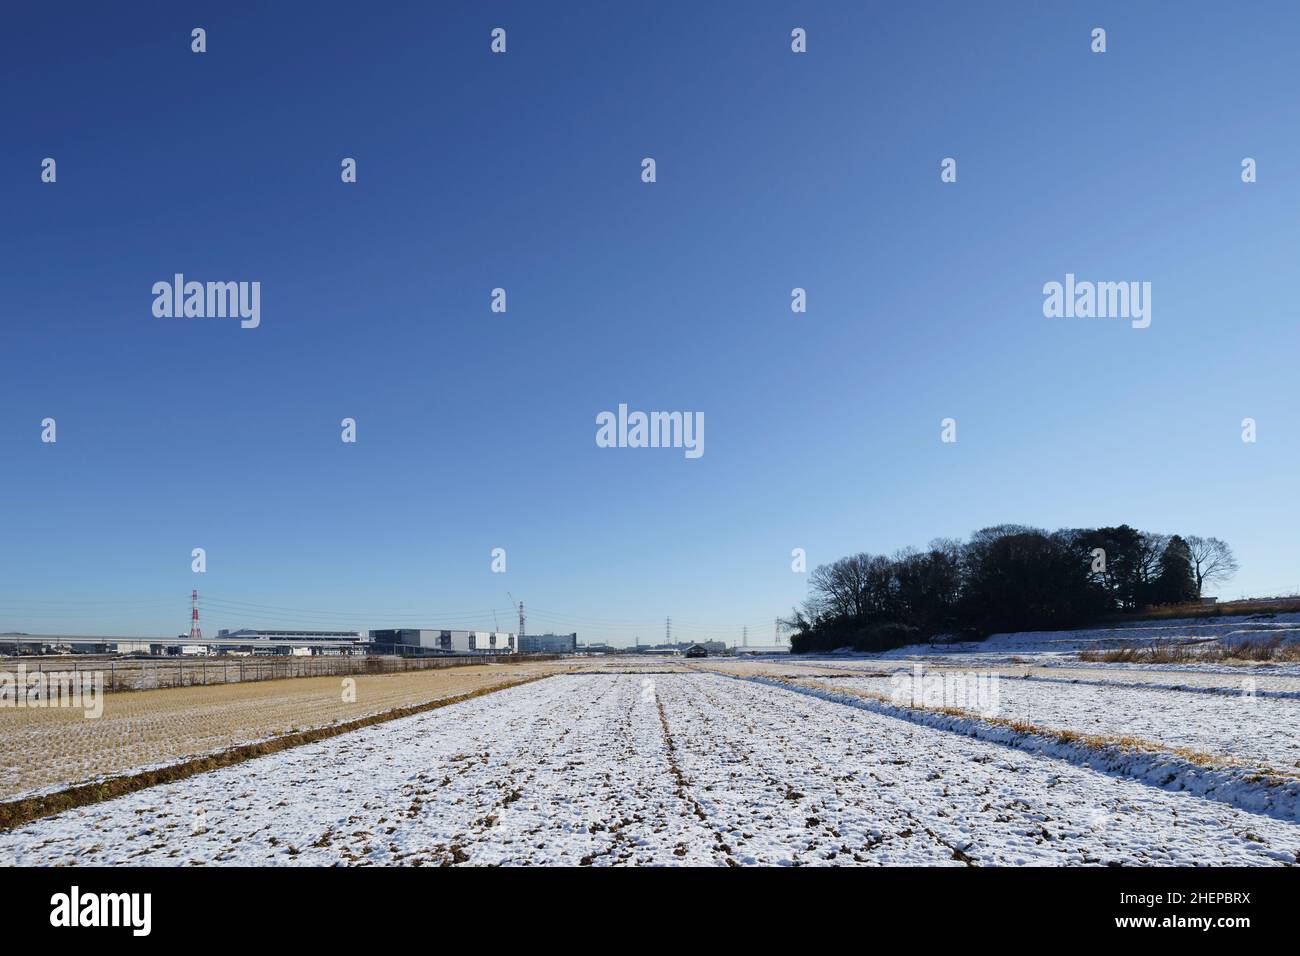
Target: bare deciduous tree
1212 562
843 587
1151 545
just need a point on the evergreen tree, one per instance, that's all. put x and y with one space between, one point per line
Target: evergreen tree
1176 582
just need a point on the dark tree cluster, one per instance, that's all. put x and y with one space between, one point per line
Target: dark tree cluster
1005 578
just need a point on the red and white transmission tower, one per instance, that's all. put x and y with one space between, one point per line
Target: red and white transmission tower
196 634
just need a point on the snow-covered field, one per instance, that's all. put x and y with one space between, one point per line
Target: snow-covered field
663 768
1227 630
1272 681
44 750
1232 725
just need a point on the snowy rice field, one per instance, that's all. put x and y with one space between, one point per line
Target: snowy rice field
681 768
1255 729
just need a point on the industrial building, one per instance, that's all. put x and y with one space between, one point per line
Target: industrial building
414 640
295 643
242 642
548 643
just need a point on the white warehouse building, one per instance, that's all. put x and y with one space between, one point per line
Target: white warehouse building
413 640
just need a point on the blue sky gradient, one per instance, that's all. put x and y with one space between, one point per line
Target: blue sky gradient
775 170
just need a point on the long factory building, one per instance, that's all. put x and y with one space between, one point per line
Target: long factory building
417 640
279 642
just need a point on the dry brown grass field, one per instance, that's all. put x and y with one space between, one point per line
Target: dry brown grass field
48 749
1242 608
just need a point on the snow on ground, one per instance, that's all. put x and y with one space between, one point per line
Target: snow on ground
545 773
47 749
1254 627
1140 633
1255 729
667 768
1262 679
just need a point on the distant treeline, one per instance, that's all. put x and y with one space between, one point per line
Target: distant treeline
1005 578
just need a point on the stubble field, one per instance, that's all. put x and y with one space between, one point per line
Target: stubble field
44 749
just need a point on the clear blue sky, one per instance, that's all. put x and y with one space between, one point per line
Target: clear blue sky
775 170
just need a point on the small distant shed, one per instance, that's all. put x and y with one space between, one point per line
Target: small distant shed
696 650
